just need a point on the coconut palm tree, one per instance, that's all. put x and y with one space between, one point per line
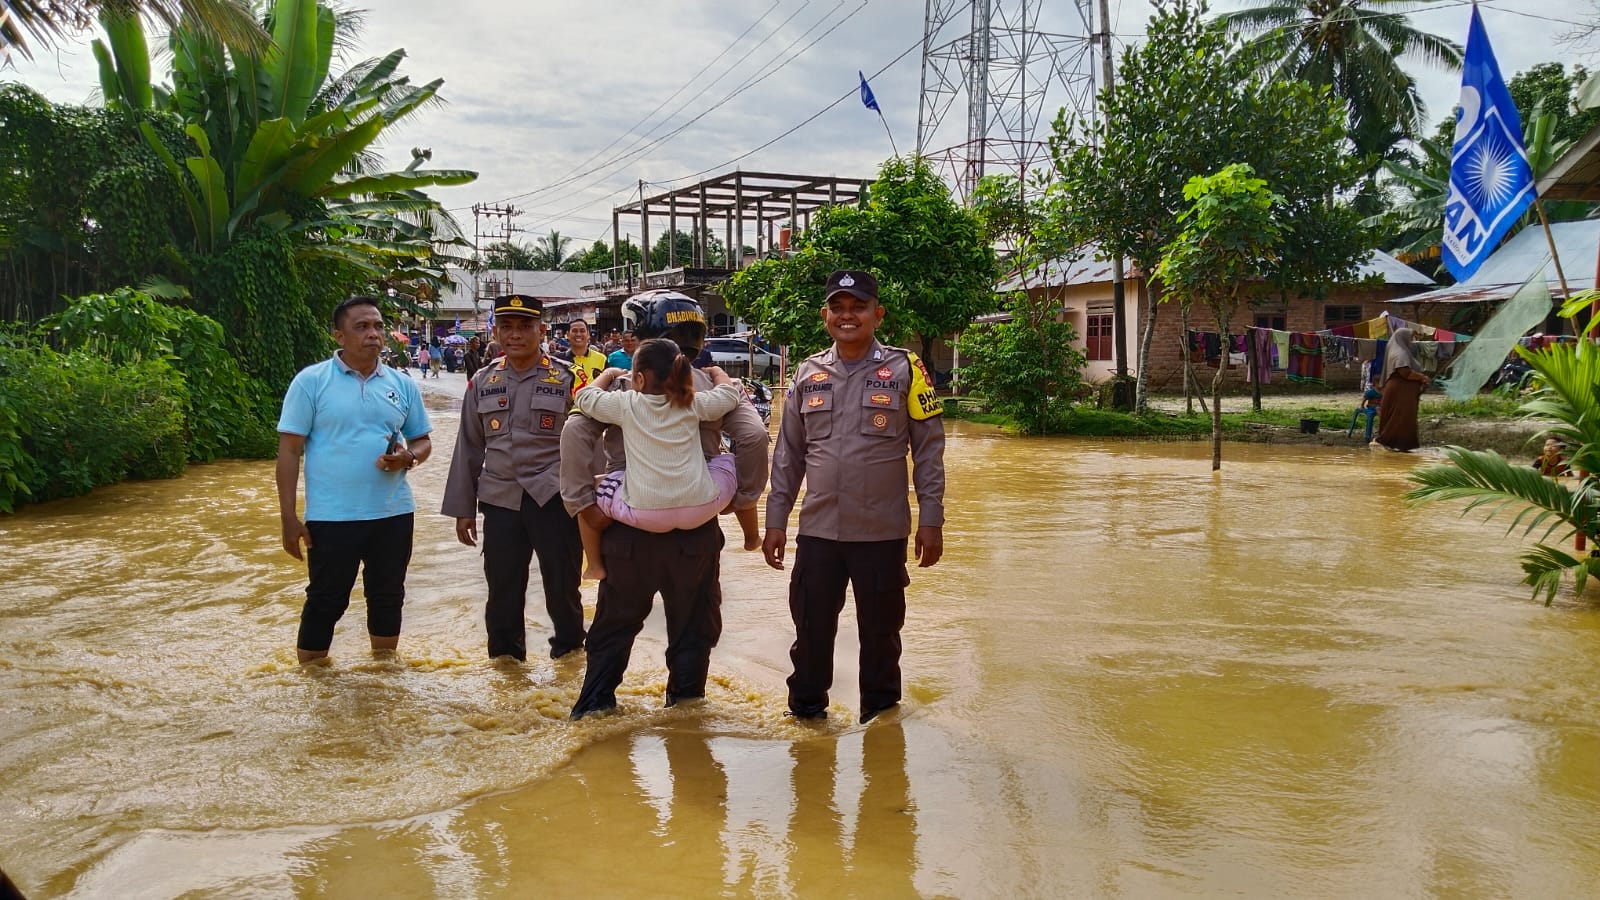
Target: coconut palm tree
46 22
549 252
1566 378
1354 47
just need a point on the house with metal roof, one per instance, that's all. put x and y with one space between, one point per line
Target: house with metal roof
1082 285
1521 258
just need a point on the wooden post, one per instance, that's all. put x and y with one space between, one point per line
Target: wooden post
1550 240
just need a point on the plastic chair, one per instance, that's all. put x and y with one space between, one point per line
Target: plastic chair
1371 412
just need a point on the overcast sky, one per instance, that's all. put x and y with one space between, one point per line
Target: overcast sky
562 107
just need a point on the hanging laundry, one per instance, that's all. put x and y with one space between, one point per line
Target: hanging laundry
1280 341
1260 356
1305 357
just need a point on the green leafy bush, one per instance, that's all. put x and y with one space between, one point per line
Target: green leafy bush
82 421
226 411
1027 366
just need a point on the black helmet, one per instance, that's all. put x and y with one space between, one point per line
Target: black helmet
668 314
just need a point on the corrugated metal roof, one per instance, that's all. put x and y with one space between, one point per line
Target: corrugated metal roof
1576 175
1514 263
1083 268
1392 270
544 285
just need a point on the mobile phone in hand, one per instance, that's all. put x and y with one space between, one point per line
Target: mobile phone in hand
394 444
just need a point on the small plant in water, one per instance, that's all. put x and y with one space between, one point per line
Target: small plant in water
1565 383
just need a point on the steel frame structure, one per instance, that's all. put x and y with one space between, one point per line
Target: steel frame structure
1005 67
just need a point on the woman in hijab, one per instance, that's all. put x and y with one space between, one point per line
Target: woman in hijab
1402 390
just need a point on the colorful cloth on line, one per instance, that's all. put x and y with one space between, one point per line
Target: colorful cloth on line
1305 357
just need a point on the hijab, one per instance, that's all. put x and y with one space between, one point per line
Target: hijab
1400 353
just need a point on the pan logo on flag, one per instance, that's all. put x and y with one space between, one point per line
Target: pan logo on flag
1491 182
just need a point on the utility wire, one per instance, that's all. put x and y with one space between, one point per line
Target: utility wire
561 179
746 85
635 151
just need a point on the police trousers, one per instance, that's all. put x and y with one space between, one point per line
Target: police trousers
381 550
876 570
511 538
683 566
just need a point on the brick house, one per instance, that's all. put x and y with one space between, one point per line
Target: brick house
1083 287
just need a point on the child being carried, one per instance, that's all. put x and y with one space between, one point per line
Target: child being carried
668 484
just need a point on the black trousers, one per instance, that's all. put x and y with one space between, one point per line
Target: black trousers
683 567
381 549
876 571
511 538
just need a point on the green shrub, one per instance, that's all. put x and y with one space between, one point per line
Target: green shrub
82 421
227 412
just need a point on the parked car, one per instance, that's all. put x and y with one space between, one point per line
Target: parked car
739 357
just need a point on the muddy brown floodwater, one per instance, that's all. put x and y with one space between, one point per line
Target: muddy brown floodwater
1128 677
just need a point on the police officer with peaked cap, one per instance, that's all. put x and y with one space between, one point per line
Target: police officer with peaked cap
854 412
507 464
684 565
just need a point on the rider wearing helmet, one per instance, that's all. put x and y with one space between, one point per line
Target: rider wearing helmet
682 565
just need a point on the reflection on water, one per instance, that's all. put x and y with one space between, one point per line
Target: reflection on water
1127 677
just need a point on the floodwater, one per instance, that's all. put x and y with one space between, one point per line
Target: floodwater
1128 677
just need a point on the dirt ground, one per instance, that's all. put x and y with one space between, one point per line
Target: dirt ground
1512 438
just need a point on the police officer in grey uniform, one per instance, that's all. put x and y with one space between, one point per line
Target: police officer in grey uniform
683 565
855 410
507 463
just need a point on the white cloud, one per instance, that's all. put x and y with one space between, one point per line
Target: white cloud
536 89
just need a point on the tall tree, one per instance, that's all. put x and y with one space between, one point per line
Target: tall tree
934 265
1353 47
1186 102
599 257
507 255
24 23
549 252
1551 88
1028 365
1231 233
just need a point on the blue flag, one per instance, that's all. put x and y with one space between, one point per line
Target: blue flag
1490 180
867 100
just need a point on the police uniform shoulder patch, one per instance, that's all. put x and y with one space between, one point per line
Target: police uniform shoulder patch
924 400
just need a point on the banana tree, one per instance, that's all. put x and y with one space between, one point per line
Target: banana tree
278 143
1566 378
1416 222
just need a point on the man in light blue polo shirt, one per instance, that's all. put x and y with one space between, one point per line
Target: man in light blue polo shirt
360 426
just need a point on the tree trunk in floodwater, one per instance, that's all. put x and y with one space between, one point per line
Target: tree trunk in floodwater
1216 393
1141 393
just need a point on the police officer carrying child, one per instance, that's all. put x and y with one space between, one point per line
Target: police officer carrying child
507 463
682 565
848 422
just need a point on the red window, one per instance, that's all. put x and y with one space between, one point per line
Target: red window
1098 340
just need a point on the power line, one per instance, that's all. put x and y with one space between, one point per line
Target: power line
748 83
562 179
852 92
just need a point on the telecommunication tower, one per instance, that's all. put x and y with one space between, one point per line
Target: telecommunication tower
1007 68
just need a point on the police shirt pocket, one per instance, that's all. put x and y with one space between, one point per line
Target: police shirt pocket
881 415
494 410
549 410
817 407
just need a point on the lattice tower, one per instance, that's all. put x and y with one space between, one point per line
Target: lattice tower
1013 75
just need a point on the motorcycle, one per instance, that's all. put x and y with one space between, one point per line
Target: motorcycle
760 396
